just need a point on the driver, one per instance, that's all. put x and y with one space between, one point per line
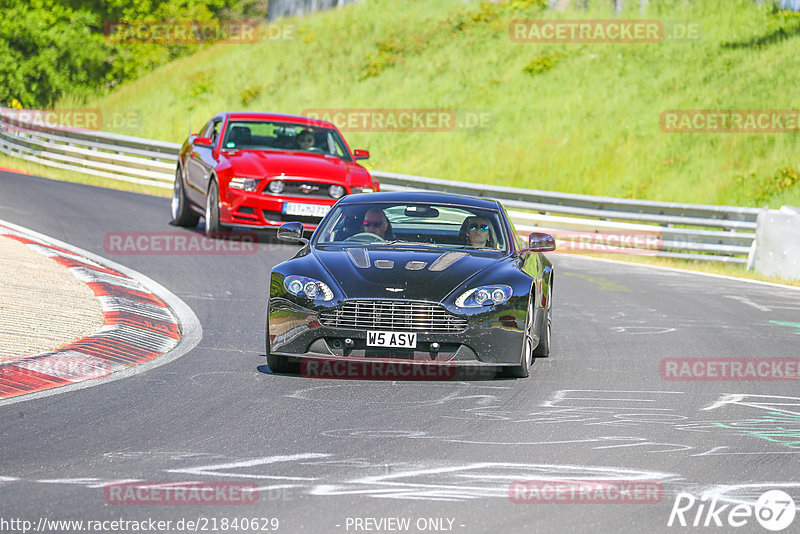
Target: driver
305 140
375 222
477 232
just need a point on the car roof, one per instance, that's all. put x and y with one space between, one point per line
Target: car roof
280 117
431 197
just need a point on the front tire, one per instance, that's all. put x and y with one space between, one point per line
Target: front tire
543 348
523 370
213 225
277 364
182 214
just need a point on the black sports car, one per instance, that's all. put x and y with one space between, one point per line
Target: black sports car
413 277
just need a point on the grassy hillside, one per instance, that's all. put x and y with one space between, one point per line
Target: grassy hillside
570 117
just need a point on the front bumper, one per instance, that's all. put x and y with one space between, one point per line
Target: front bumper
492 338
256 210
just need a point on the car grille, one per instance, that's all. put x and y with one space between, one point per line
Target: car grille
296 189
393 315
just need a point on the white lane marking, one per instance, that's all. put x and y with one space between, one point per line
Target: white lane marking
743 399
561 395
81 481
745 300
486 479
191 329
215 469
749 493
115 482
638 330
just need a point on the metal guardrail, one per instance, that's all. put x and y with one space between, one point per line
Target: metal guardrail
585 223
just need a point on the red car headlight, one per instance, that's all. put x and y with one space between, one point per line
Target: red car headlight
245 184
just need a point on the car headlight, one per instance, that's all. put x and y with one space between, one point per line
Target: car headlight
356 190
245 184
302 286
484 296
276 186
336 191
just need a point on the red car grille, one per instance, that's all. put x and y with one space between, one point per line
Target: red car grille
393 315
304 189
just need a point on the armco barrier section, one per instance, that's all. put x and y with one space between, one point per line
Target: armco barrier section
690 231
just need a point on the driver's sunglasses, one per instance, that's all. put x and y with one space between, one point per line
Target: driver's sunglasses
376 224
484 227
306 139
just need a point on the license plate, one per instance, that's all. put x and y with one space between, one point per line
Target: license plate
308 210
394 340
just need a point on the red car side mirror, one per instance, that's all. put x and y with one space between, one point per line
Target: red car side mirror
203 141
361 154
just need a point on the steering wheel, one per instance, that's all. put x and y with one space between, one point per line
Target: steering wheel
365 237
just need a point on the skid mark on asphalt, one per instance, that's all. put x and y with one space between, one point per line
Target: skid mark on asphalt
465 392
603 284
645 414
646 320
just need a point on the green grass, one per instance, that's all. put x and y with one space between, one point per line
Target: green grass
574 117
580 118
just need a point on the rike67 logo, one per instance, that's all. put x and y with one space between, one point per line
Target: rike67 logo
774 510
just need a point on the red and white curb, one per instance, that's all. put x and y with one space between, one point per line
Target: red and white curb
139 325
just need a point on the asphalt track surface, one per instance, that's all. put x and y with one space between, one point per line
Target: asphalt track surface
324 451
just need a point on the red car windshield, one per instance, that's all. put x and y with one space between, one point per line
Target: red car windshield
283 136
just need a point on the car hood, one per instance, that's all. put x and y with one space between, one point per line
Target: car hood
423 274
260 163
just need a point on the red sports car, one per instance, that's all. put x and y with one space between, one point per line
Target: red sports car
261 170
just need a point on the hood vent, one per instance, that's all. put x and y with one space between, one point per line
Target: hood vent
416 265
384 264
446 260
359 257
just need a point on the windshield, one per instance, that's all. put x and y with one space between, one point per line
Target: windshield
391 224
284 136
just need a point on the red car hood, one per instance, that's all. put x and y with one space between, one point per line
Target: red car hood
260 163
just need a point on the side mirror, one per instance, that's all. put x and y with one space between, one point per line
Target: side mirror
539 242
203 141
361 154
292 231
